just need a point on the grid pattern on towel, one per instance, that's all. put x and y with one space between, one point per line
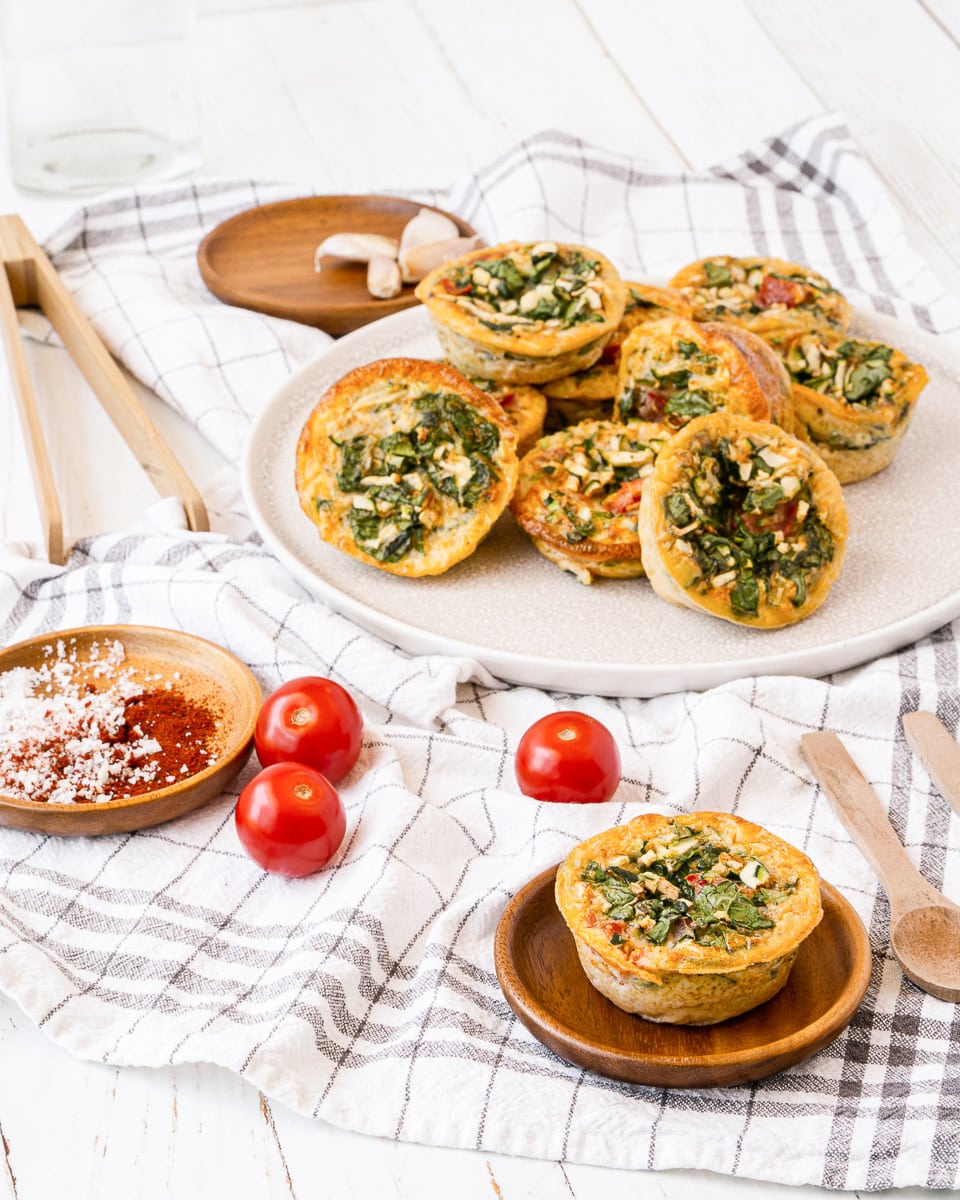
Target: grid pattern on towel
366 994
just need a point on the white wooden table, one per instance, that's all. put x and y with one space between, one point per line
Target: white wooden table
363 95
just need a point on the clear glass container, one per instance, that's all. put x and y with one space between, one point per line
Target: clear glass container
99 93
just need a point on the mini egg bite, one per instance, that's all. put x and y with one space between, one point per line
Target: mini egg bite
690 919
742 521
524 312
405 465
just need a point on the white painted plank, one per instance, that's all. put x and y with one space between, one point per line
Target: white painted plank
709 73
81 439
889 67
82 1129
533 66
370 96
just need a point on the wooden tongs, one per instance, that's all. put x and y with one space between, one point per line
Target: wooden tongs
28 279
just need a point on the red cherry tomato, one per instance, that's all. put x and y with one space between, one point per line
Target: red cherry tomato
568 757
310 720
290 819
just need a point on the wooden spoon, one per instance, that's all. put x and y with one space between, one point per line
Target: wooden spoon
924 924
933 744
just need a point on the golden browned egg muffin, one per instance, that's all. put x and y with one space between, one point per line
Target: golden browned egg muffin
853 400
674 370
743 521
599 382
767 295
405 465
690 919
524 406
578 496
524 312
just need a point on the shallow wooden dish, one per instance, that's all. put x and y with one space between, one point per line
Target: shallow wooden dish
263 259
207 672
542 979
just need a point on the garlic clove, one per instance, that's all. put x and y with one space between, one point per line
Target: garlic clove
357 247
426 227
383 277
418 261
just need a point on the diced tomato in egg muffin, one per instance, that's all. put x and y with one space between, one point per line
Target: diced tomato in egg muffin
405 465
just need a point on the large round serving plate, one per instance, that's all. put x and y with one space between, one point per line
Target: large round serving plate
528 622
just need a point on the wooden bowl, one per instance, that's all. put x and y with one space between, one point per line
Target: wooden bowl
537 965
207 674
263 259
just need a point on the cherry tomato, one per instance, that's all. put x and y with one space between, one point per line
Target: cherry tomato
290 819
568 757
310 720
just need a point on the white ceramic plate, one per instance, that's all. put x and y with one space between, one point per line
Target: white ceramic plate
528 622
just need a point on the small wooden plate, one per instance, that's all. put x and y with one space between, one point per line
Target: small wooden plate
537 965
263 259
207 674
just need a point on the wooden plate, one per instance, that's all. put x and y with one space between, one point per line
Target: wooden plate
207 673
263 259
541 976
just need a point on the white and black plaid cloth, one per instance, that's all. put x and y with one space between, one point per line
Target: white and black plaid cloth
366 994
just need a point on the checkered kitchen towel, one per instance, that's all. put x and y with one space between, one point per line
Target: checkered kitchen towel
366 994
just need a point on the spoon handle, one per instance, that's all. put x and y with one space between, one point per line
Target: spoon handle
933 744
857 806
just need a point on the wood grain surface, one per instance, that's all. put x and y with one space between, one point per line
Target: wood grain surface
263 259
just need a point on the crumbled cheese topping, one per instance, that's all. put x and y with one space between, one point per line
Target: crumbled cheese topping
63 733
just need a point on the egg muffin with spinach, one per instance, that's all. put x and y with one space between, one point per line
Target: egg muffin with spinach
599 382
673 370
743 521
769 296
853 400
405 465
524 312
691 919
578 496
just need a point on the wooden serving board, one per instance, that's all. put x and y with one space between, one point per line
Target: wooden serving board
263 259
541 976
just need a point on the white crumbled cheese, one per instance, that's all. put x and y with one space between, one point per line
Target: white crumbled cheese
56 734
771 457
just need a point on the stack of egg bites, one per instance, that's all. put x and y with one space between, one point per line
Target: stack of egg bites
698 434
